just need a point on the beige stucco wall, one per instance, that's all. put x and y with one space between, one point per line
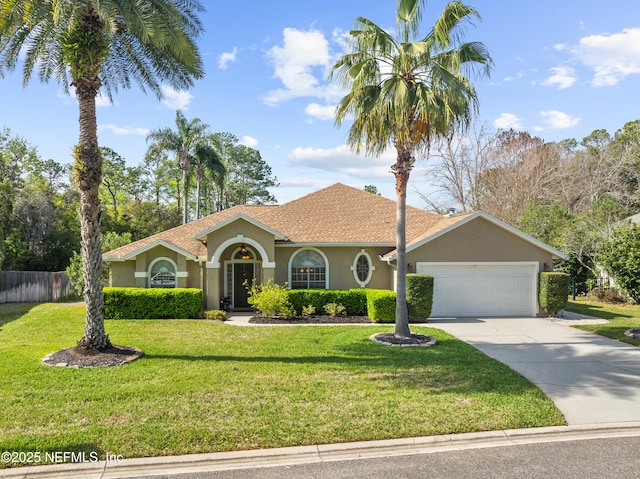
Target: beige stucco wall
123 273
340 261
479 240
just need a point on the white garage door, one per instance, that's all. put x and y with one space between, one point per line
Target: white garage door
482 289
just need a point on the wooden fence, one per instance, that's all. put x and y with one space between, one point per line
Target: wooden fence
32 286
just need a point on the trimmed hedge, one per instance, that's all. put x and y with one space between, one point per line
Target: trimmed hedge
152 303
553 292
419 296
381 305
354 300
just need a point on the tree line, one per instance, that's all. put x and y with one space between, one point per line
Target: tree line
39 201
569 194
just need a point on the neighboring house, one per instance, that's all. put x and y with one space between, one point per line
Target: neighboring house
340 238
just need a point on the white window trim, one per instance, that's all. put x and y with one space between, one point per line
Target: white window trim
173 263
354 268
324 257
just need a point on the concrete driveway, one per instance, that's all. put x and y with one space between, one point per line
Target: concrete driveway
591 379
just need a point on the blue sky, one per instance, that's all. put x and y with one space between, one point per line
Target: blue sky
563 68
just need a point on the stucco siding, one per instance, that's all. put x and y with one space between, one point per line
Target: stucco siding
479 241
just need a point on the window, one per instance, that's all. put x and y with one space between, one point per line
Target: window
362 269
162 274
308 270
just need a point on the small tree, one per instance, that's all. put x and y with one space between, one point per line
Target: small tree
270 299
620 256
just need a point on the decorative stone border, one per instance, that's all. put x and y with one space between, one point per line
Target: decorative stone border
416 340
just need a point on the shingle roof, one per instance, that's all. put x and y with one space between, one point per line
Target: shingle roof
336 214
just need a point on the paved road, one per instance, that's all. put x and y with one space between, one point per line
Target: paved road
600 458
591 379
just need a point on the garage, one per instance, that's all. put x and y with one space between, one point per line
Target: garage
483 289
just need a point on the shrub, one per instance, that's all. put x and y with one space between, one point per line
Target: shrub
215 314
334 309
381 305
419 296
620 256
308 310
608 295
270 299
354 300
554 292
152 303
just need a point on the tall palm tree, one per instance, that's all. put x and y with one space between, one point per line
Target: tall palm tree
404 90
95 45
206 160
183 142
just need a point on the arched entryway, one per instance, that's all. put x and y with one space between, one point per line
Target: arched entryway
240 271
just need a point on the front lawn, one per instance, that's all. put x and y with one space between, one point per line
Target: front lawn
621 318
204 386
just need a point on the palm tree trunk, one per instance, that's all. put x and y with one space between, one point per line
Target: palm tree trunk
88 173
401 170
185 207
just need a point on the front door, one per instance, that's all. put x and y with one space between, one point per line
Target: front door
242 272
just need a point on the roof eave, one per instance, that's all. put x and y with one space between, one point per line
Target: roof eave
149 246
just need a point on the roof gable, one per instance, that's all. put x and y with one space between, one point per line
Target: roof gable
451 223
202 235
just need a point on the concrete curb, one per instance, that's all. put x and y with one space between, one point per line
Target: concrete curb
197 463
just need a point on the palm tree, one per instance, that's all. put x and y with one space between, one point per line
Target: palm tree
95 45
206 160
183 142
404 91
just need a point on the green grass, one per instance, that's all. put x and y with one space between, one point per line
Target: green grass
203 386
621 317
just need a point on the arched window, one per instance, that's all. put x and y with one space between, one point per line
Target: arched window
308 270
162 274
362 268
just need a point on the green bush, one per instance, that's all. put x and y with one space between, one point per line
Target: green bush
152 303
419 296
270 299
381 305
354 300
215 314
553 292
334 309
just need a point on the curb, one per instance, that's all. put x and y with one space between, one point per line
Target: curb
195 463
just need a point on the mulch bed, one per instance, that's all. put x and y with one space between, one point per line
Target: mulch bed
80 358
413 340
633 333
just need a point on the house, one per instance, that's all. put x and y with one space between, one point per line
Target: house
340 238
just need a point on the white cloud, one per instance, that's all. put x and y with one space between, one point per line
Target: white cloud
559 120
507 121
103 101
227 57
300 63
249 141
321 112
563 77
342 159
118 130
175 99
612 56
